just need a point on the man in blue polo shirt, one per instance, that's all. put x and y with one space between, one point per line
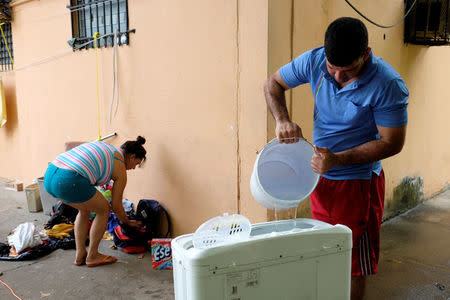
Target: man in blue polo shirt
360 118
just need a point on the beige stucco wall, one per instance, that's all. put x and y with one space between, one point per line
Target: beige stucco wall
252 112
190 82
426 152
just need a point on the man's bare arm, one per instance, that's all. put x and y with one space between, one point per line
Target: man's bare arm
276 100
274 91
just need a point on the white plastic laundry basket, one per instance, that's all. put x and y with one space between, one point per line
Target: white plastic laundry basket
282 175
221 230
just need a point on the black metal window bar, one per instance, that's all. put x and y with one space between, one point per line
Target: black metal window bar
103 16
5 61
428 23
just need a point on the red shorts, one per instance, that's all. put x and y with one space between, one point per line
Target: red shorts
359 205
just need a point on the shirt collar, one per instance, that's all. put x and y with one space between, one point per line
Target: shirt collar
368 74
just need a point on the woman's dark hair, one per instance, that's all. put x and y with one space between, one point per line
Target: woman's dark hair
346 40
135 147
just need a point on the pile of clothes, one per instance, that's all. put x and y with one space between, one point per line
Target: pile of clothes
25 243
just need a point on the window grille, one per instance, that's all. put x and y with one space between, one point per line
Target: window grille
103 16
5 60
5 11
428 23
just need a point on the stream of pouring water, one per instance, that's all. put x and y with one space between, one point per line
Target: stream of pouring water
290 214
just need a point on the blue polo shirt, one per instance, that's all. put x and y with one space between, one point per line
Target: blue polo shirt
348 117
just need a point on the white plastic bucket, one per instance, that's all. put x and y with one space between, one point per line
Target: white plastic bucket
282 175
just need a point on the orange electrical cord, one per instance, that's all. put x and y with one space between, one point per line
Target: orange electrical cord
10 289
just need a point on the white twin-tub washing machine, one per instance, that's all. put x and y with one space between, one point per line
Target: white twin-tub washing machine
281 260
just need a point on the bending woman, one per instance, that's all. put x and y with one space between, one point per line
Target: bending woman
72 178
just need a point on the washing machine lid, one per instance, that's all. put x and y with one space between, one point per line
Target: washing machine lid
305 239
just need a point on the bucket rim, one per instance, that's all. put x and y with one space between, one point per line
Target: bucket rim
273 199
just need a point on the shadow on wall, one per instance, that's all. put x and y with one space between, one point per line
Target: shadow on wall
9 86
408 194
412 61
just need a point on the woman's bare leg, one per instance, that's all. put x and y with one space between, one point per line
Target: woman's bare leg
100 206
81 232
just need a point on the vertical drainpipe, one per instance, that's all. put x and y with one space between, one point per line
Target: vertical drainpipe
291 100
238 154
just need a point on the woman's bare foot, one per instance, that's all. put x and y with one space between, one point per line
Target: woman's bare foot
100 259
80 258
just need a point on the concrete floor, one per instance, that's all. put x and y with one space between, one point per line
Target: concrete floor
55 277
415 254
415 262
